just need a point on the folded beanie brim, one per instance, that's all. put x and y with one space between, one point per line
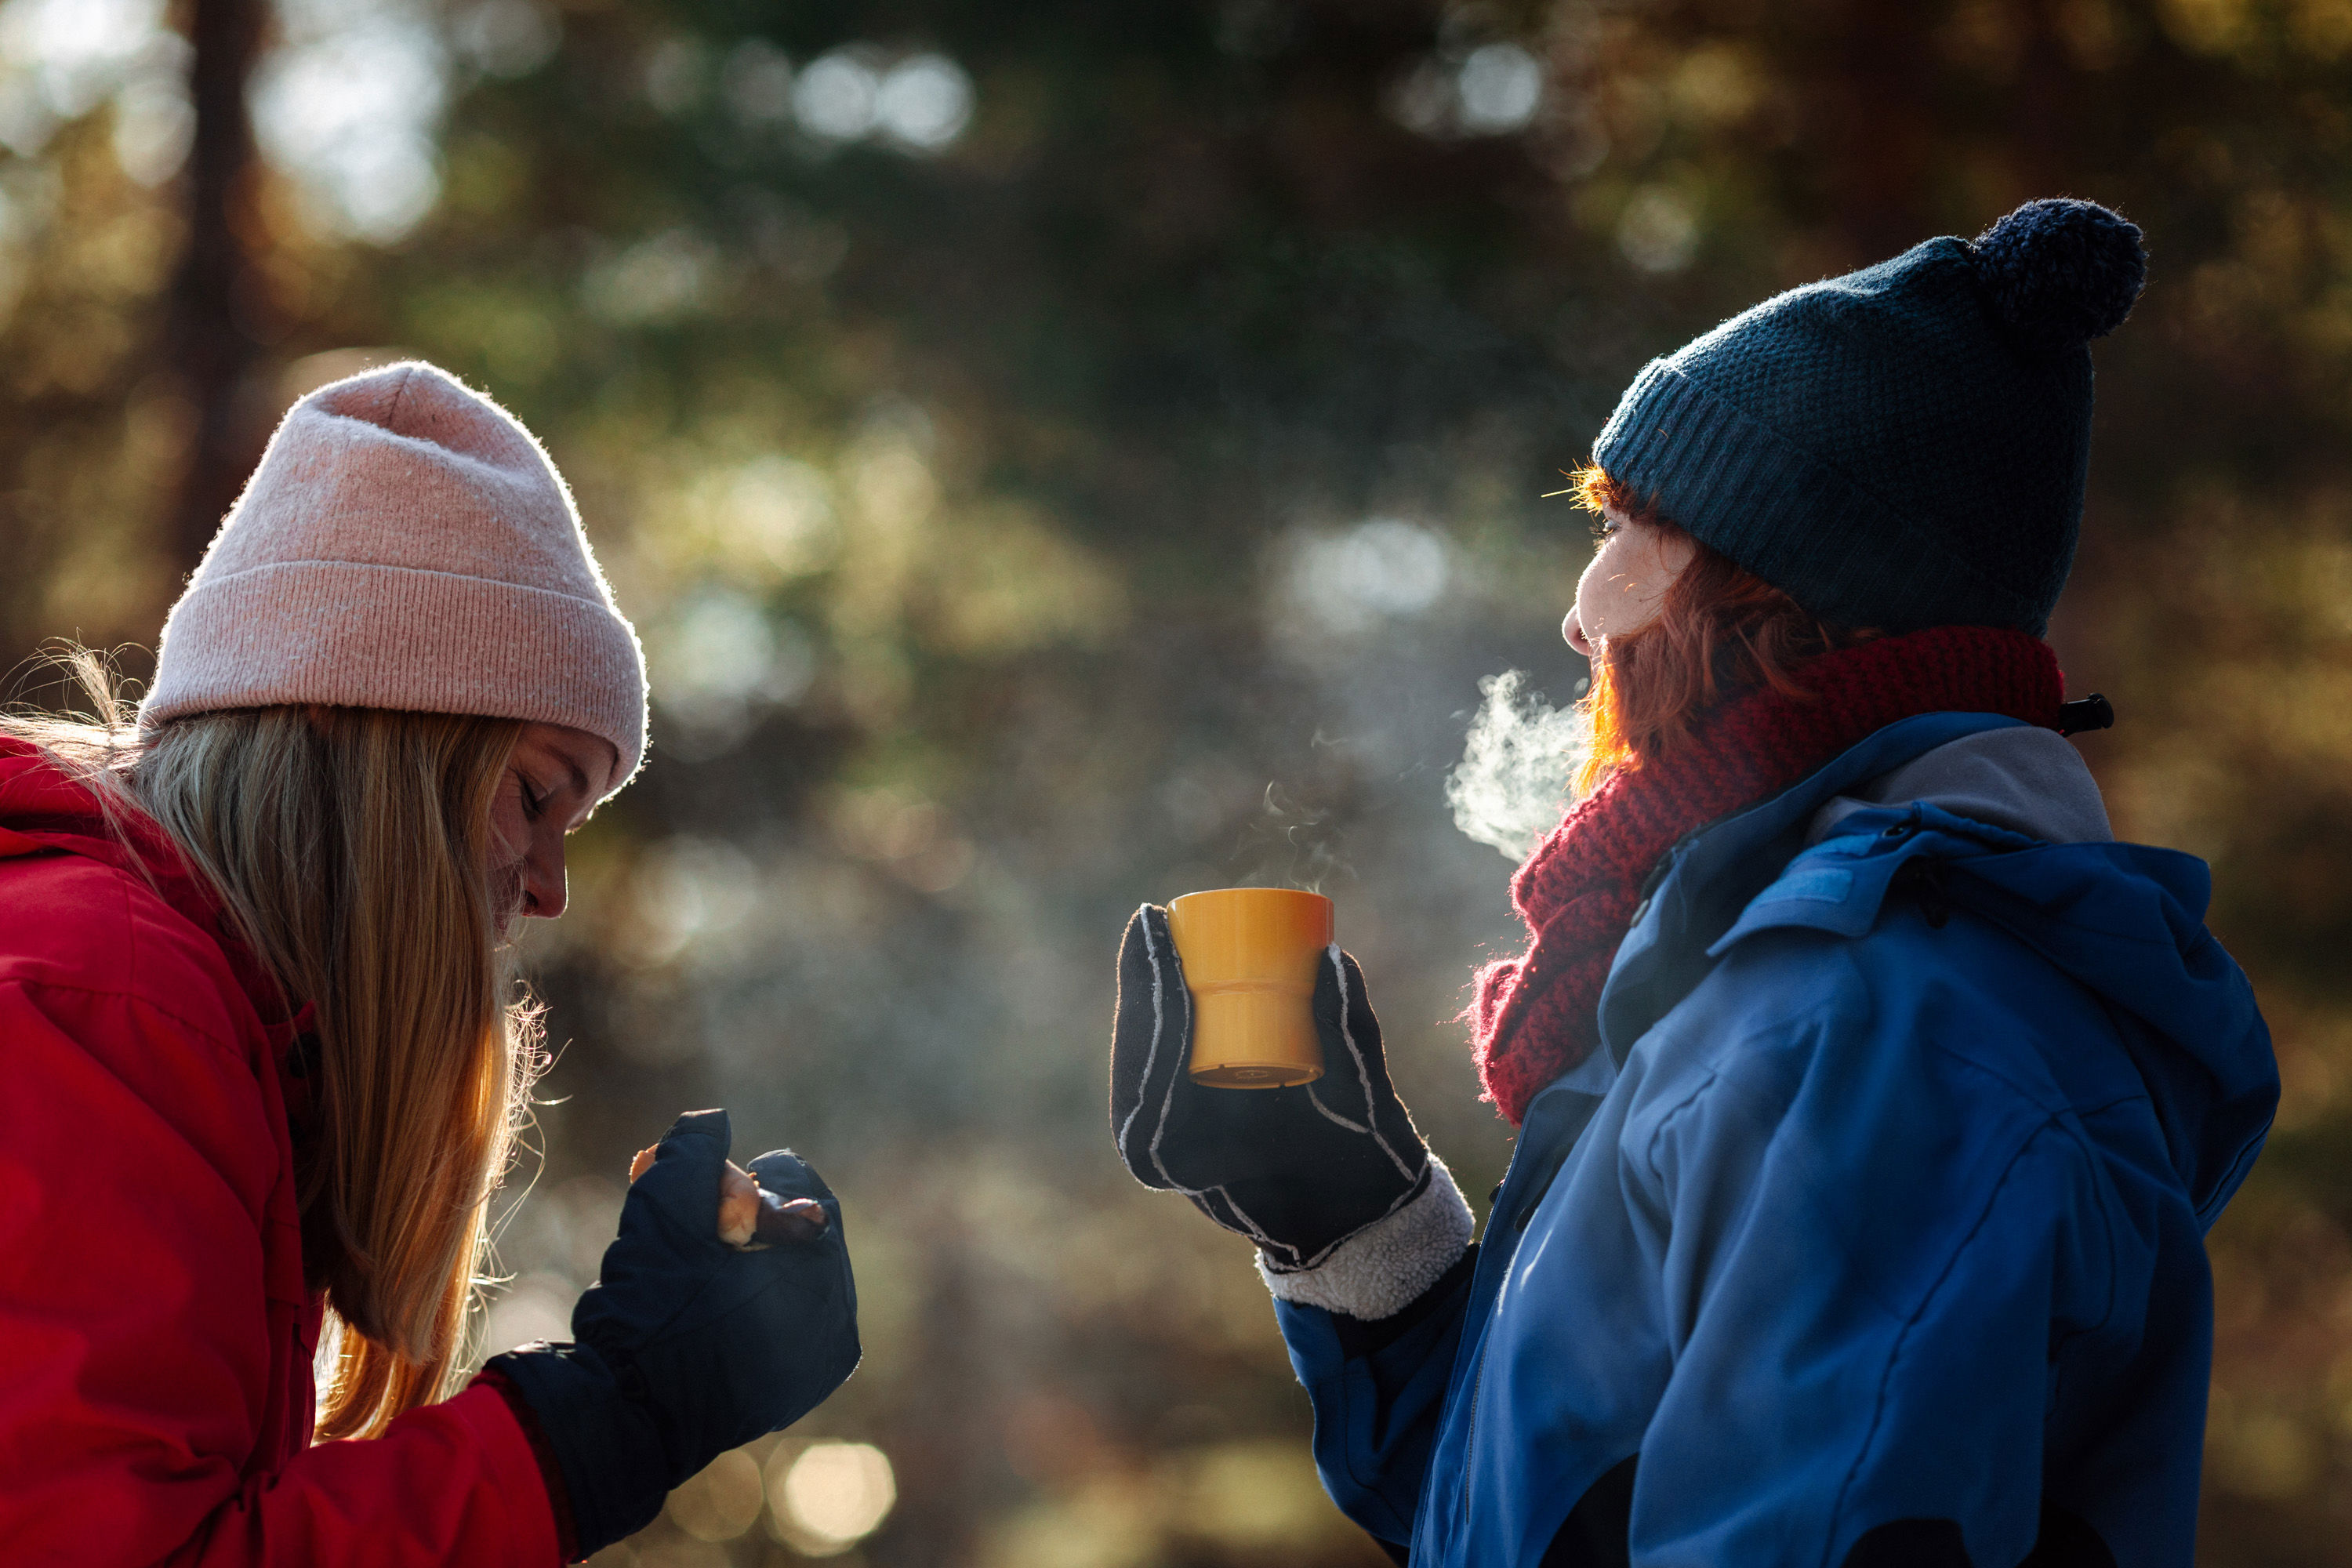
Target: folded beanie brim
287 632
1791 518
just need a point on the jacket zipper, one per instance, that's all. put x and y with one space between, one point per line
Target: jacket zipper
1529 1202
1477 1387
1469 1445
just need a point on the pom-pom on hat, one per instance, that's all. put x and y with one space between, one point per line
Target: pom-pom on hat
1903 447
2057 274
405 544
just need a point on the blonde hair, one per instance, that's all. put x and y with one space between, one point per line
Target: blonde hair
351 848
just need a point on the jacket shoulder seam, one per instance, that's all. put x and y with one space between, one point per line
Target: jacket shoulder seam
129 886
1825 1008
1713 1076
125 994
2065 1120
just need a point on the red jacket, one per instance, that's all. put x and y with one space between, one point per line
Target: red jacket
155 1337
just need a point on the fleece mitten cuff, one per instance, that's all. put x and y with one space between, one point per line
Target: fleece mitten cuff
1385 1267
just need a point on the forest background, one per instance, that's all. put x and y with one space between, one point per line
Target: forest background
1066 454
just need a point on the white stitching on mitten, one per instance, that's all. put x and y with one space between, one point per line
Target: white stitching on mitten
1151 1055
1363 1068
1168 1099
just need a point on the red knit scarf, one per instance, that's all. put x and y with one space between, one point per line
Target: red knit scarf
1535 1016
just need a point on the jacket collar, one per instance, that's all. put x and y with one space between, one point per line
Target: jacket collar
1701 888
1838 884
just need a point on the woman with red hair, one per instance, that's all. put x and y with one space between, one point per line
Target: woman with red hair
1872 1101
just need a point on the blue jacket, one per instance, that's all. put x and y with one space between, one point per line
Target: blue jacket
1874 1233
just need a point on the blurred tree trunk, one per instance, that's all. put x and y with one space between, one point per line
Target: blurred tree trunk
939 1446
2046 151
1875 70
211 354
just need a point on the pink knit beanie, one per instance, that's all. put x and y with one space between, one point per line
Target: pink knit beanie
405 544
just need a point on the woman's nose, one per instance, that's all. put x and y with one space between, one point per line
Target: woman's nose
1573 631
544 888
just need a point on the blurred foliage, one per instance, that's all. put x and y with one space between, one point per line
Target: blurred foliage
1062 455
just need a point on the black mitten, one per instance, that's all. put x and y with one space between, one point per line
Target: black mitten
1297 1170
687 1347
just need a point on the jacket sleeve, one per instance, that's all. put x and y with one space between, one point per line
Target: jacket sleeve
141 1311
1379 1389
1873 1247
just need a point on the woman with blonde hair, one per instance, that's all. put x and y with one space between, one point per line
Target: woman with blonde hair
259 1071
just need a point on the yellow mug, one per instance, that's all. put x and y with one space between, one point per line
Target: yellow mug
1251 955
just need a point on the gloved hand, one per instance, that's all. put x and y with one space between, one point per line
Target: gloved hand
686 1347
1297 1170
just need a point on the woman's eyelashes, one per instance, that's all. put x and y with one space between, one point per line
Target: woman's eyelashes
534 801
1602 527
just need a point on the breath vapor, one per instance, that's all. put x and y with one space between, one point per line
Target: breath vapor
1511 785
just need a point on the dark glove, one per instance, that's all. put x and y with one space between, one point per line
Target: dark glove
686 1347
1297 1170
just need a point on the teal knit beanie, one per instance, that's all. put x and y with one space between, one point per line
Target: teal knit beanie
1903 447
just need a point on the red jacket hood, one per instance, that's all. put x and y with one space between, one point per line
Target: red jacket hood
45 809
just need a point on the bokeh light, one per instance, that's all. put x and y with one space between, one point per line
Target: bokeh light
349 102
827 1498
924 101
834 96
1500 85
1381 568
722 1500
1659 232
